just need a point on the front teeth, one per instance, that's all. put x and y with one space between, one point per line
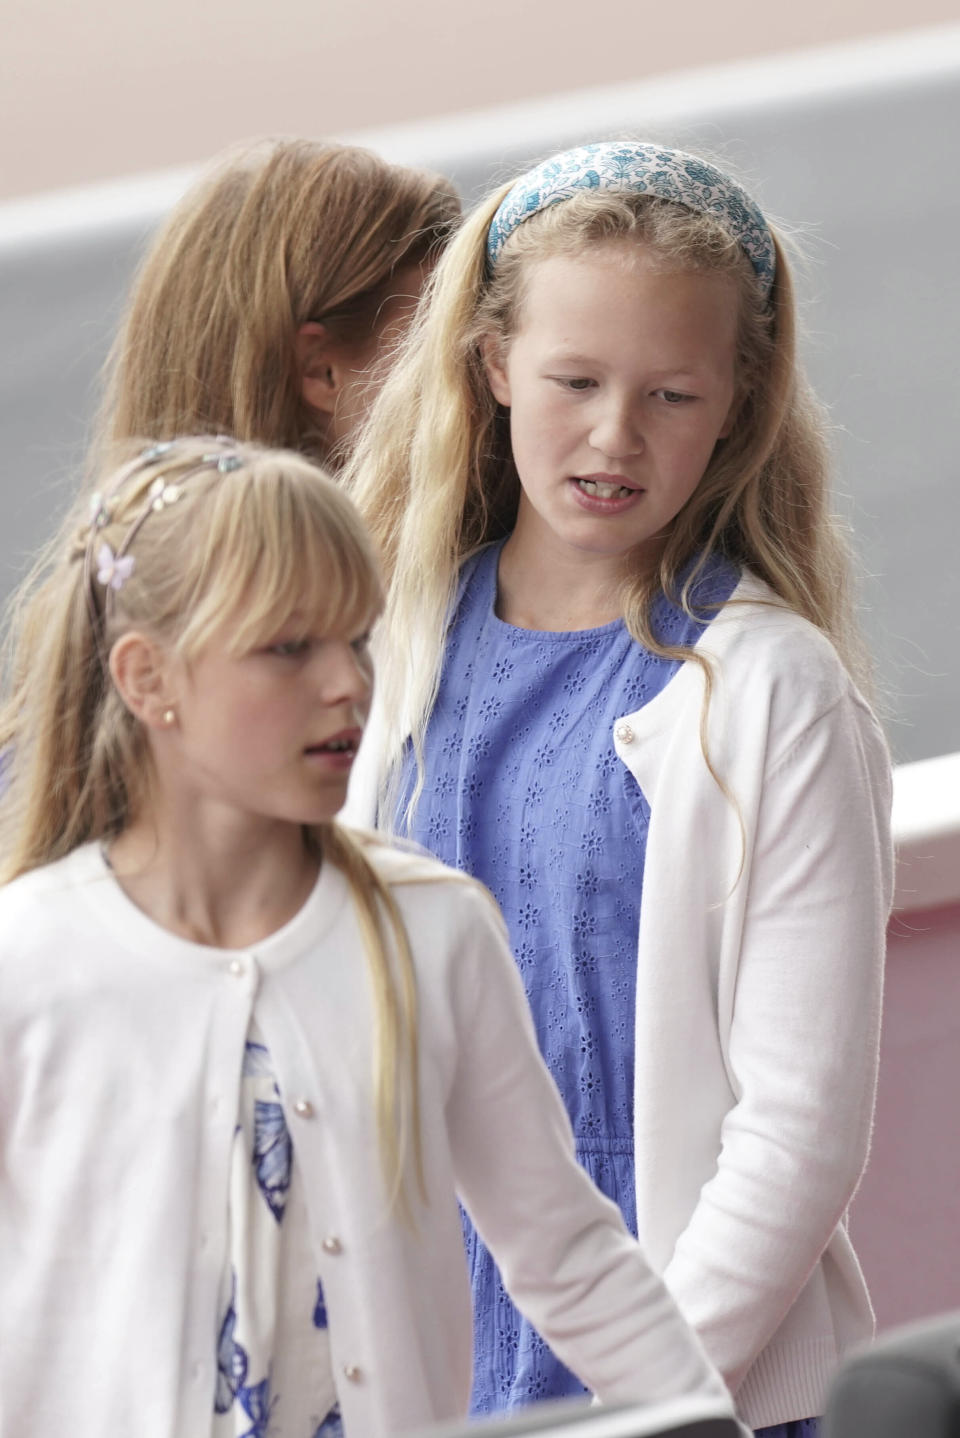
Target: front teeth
604 491
338 745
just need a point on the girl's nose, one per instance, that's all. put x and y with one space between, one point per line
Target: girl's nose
346 673
617 429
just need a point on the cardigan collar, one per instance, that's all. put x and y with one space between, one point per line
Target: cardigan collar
87 870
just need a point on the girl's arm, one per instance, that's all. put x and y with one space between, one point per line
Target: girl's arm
567 1260
804 1038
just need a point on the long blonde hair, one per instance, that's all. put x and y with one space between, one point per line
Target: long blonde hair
434 478
276 234
234 553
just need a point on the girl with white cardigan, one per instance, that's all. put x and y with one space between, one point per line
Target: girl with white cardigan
619 687
248 1058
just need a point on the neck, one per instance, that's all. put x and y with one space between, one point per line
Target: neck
542 584
214 877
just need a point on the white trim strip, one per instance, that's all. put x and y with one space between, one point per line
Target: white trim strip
926 828
511 133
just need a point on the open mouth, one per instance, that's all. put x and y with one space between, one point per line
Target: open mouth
599 489
340 744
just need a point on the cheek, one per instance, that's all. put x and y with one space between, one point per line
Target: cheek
527 444
241 715
544 446
538 418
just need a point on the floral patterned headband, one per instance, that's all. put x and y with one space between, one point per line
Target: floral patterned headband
643 170
113 570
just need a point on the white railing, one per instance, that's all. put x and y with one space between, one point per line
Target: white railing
904 1219
926 824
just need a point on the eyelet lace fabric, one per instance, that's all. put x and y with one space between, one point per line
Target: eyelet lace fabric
523 789
799 1428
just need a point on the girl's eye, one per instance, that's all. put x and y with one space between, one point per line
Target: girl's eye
361 644
289 648
578 384
673 396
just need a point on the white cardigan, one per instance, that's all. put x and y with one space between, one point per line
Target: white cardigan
759 979
120 1057
759 996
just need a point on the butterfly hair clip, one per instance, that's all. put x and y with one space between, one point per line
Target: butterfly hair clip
113 572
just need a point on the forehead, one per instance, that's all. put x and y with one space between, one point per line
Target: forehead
620 297
248 629
300 601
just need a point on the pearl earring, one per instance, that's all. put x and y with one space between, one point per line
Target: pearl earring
169 717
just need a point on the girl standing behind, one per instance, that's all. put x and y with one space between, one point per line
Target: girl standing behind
267 299
245 1055
617 687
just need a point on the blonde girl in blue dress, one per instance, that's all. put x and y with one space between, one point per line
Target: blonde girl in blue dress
619 687
247 1057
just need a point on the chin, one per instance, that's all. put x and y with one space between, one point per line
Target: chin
323 813
606 548
304 816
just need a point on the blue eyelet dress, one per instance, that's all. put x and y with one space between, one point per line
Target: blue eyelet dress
523 789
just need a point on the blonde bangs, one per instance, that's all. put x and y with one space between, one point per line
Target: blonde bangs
297 551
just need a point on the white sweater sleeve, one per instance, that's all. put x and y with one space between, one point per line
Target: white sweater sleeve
804 1038
566 1258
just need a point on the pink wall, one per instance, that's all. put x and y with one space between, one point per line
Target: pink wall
905 1219
100 89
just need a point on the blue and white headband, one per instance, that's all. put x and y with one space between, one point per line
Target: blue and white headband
642 170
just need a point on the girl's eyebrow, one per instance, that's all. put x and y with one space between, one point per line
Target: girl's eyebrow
572 357
562 356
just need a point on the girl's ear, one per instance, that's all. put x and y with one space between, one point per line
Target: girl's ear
140 672
322 363
495 365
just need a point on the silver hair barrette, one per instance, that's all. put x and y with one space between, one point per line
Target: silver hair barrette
114 569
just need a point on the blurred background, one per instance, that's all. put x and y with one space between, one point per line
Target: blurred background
101 89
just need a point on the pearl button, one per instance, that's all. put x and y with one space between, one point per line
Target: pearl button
303 1108
623 733
332 1244
352 1373
237 968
